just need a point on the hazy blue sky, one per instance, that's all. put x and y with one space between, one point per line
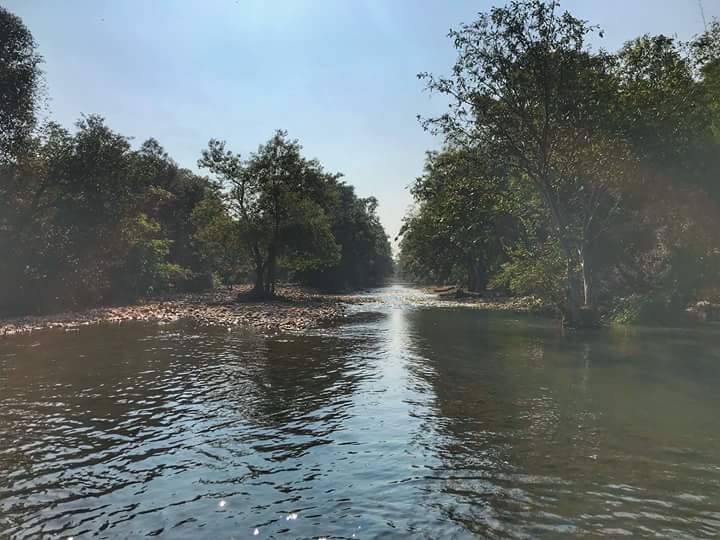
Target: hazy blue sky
340 75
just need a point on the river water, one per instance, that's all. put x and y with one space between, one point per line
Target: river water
414 421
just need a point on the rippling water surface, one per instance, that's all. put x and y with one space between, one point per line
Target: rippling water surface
415 422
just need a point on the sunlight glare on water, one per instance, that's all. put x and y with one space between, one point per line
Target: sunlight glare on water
419 421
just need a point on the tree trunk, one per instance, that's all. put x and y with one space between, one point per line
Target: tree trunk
578 311
586 271
258 290
270 276
477 278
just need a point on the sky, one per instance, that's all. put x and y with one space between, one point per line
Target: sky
339 75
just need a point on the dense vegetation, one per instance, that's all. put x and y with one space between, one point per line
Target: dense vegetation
85 218
586 177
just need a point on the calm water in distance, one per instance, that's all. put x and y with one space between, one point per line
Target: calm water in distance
414 422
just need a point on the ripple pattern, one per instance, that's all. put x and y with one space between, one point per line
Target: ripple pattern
417 422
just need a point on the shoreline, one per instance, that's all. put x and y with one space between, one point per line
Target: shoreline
454 297
294 309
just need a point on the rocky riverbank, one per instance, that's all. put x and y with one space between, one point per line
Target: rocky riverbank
452 296
294 309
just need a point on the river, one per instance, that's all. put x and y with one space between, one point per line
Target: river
413 421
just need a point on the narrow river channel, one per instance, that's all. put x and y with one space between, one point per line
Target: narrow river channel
413 421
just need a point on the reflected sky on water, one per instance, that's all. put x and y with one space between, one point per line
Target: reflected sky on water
416 422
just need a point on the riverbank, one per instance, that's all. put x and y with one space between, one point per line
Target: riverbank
452 296
294 309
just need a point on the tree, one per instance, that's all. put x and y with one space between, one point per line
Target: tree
461 227
276 195
217 240
86 218
20 84
526 92
365 252
170 195
705 50
94 221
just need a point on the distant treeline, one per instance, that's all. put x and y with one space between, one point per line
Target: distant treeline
85 218
589 178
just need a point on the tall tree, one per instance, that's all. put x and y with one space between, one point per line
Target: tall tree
461 226
365 252
276 194
526 91
85 218
20 85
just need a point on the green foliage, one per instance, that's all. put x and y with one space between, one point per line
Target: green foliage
365 255
20 85
145 267
309 237
534 269
706 60
217 240
606 165
93 220
650 308
85 218
290 215
458 230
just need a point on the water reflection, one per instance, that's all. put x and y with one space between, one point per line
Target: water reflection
134 430
537 433
416 422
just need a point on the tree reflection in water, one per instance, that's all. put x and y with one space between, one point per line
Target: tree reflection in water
536 432
132 424
415 421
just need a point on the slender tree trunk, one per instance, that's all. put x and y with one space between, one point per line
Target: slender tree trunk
259 287
270 276
578 311
573 297
258 290
477 279
586 270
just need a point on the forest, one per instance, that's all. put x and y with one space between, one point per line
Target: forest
586 177
87 218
